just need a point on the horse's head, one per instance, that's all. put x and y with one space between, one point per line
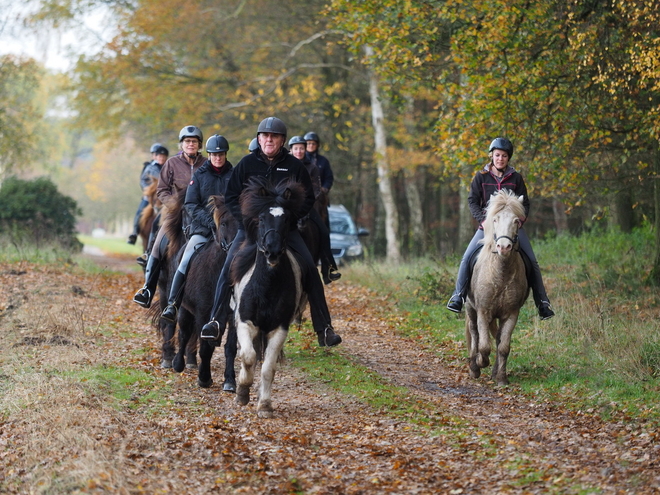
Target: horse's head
225 223
503 220
270 213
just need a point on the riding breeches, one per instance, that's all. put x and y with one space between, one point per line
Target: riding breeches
160 244
536 282
223 286
195 242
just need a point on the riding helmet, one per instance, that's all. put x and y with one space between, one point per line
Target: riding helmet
297 140
312 136
191 131
503 144
154 147
272 125
217 144
160 150
254 144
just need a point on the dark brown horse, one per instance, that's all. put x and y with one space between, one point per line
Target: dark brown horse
203 272
149 212
498 287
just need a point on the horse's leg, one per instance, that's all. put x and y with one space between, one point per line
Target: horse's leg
246 333
275 343
167 349
204 378
472 339
186 328
483 348
191 348
230 357
503 348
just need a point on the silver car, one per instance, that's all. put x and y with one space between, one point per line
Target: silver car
344 235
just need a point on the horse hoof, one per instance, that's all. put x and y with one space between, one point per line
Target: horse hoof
205 383
242 395
178 364
191 366
475 373
166 363
266 414
229 387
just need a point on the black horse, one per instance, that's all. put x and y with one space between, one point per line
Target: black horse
267 283
203 271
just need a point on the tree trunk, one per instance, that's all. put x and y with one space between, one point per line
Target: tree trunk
417 246
384 183
561 220
621 211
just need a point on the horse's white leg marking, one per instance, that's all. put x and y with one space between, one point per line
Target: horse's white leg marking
245 332
483 325
276 340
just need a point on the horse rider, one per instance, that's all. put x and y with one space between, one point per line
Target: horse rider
174 176
209 180
297 147
496 175
272 161
325 171
159 154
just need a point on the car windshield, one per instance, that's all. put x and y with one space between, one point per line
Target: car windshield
342 223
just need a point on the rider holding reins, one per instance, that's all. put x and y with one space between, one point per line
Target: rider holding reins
272 161
496 175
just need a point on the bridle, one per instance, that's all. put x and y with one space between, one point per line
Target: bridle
262 241
514 241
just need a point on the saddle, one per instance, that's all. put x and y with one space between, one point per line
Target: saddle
528 264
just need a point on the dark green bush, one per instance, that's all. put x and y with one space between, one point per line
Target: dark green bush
34 211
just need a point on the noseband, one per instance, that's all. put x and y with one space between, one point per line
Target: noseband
514 241
262 241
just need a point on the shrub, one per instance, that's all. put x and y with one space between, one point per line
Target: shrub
36 212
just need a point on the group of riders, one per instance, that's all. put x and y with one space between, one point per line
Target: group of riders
201 178
268 157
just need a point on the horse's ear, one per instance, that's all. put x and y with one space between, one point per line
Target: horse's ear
287 194
262 192
521 198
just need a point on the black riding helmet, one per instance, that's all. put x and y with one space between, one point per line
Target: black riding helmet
217 144
502 144
272 125
254 144
160 150
191 131
154 147
297 140
312 136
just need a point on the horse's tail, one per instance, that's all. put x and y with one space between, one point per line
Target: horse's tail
173 223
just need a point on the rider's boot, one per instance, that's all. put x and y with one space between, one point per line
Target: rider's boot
176 296
145 295
132 239
327 337
455 303
214 329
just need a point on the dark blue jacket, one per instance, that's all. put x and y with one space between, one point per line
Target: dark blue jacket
206 182
325 171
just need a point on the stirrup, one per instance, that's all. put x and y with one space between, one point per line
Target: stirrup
170 313
143 297
455 303
210 331
328 338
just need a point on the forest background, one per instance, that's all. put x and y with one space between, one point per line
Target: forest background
406 96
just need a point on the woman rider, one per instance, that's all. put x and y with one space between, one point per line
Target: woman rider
271 160
209 180
297 146
174 176
496 175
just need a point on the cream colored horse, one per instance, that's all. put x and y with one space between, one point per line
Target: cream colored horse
498 286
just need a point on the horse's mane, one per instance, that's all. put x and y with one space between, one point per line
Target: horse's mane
260 195
498 202
172 215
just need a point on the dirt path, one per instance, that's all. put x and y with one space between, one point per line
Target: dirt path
320 441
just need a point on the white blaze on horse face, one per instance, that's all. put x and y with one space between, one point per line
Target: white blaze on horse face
505 229
277 211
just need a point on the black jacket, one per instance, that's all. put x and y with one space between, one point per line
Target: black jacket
325 171
485 184
206 182
284 166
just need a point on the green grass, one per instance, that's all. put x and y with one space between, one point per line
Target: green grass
600 354
111 245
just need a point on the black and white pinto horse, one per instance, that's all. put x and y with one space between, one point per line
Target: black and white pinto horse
267 279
